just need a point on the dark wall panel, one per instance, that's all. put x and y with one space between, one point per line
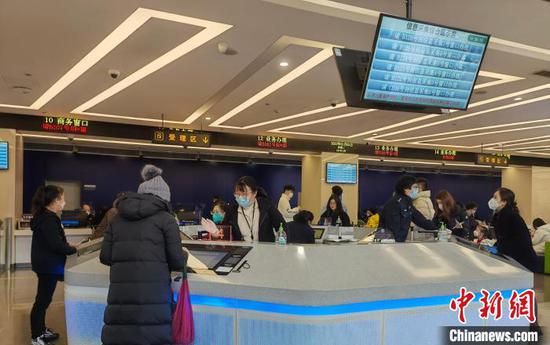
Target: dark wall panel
376 187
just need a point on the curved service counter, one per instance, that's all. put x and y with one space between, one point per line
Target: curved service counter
313 294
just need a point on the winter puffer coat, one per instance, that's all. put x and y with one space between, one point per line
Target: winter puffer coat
142 245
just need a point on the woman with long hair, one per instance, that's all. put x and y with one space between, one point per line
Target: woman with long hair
451 214
335 211
513 237
49 253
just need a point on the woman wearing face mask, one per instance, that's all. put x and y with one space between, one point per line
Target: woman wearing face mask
399 212
218 212
513 238
253 217
451 214
48 255
335 211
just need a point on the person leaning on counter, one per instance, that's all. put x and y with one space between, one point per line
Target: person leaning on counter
253 217
399 211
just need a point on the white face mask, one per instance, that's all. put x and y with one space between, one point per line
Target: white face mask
290 196
493 204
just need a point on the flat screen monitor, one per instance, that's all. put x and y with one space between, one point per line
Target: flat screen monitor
341 173
352 66
318 233
421 64
208 258
4 155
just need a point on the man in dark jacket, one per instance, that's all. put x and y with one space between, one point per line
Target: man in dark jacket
299 230
399 212
142 245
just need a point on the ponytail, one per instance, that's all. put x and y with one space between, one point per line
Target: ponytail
43 197
510 198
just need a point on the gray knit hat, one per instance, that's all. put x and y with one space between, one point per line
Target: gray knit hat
154 183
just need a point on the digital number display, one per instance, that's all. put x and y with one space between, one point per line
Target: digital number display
181 137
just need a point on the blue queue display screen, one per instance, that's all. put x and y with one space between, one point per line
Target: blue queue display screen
422 64
341 173
4 155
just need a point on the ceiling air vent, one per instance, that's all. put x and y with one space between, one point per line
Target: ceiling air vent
543 73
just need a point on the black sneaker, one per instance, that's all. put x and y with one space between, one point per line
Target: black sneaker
50 335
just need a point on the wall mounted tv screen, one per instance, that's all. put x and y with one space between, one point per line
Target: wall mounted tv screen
421 64
341 173
4 155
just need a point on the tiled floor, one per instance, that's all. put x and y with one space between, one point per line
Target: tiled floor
17 291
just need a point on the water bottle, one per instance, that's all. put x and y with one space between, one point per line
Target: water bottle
442 234
281 235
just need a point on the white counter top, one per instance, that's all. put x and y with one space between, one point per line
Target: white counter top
23 242
68 232
328 275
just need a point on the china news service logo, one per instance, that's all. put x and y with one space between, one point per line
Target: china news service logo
519 305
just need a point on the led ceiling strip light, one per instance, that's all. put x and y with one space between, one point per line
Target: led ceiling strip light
452 119
399 124
501 79
121 33
284 80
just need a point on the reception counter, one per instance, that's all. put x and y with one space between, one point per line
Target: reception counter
23 241
315 294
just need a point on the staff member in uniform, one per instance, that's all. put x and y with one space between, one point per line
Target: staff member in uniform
399 211
48 256
253 217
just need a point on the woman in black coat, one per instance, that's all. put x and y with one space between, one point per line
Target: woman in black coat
335 211
253 217
513 238
300 230
142 245
48 256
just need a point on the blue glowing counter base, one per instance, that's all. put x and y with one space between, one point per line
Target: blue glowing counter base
319 295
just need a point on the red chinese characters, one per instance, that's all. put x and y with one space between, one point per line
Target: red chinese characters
64 125
490 306
523 304
461 303
520 305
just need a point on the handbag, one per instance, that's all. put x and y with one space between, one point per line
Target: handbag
183 327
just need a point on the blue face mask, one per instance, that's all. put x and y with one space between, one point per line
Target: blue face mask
243 201
217 217
414 193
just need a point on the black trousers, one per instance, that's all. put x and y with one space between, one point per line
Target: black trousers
44 295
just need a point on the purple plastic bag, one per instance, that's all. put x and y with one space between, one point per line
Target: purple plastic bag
183 327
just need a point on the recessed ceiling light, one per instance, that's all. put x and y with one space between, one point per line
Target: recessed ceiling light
208 118
374 134
283 64
518 99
